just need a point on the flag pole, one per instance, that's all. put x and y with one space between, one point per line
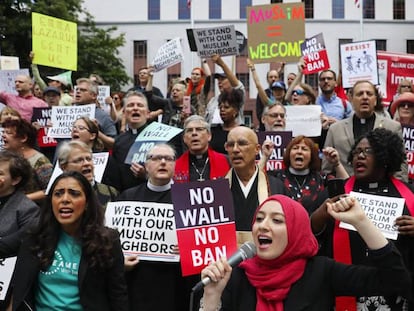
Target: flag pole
191 3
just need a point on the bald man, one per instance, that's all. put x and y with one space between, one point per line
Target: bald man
24 101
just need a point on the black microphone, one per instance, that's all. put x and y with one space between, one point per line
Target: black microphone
247 250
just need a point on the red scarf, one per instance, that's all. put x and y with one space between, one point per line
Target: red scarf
274 278
342 245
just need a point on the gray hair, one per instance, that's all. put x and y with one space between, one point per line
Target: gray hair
197 118
137 94
93 87
67 147
267 108
164 145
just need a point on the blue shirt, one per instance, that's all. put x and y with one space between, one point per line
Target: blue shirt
334 107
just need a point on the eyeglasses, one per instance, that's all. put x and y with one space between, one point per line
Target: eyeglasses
190 130
81 160
276 115
326 78
159 158
365 151
299 92
406 105
240 143
80 128
116 97
409 86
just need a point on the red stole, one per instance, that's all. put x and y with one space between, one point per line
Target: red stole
342 245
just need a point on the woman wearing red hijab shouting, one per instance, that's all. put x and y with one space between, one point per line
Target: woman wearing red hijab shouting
286 275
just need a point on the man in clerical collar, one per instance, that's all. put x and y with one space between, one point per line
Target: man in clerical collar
199 162
342 134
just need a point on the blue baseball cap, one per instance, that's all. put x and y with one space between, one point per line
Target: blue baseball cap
279 85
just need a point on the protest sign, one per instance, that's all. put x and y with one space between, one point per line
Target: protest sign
275 32
55 42
220 40
359 62
169 54
392 68
42 116
146 229
408 137
381 210
104 91
9 63
280 141
205 221
153 134
7 78
314 54
63 118
304 120
6 272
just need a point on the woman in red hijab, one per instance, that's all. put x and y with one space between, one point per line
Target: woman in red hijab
286 275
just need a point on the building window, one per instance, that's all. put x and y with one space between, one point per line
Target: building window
184 12
313 81
399 9
338 9
243 5
308 8
369 9
410 46
381 45
215 9
153 9
140 57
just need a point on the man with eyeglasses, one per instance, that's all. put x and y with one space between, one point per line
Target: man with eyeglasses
334 107
249 184
274 117
199 162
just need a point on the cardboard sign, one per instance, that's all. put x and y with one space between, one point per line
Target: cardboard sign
315 54
275 32
217 40
55 42
205 221
381 210
304 120
7 78
63 118
359 62
6 272
146 229
280 140
168 54
153 134
9 63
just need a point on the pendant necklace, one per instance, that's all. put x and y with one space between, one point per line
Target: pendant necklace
200 174
300 186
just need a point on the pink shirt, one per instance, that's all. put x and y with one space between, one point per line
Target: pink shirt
24 105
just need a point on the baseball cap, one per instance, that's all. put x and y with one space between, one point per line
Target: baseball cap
65 78
51 89
279 85
219 75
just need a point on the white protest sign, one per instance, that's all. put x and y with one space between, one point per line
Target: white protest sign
6 272
104 91
63 118
7 78
146 229
168 54
9 63
100 160
382 211
217 40
304 120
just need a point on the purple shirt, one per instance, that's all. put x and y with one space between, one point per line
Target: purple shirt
24 105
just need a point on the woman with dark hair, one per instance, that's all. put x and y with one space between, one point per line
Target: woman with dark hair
301 174
87 131
20 136
70 258
286 275
375 157
229 106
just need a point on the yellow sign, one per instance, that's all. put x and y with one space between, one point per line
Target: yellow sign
275 32
55 42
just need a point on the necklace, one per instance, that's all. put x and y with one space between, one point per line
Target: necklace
300 186
200 174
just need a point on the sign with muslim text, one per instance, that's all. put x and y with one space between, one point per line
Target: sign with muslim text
153 134
63 118
6 272
314 55
304 120
220 40
275 32
408 137
206 229
7 78
280 141
42 118
381 210
55 42
146 229
169 54
359 62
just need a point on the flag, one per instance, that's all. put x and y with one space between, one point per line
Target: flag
188 3
356 3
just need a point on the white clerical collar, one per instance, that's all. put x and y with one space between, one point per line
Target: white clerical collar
299 173
159 188
246 189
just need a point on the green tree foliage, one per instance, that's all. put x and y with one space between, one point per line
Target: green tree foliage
97 47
